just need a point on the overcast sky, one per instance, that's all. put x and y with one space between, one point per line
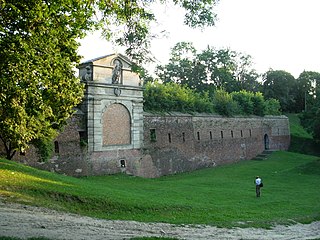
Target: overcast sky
278 34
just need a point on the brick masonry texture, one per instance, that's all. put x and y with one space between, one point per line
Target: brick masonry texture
110 133
185 143
173 143
116 125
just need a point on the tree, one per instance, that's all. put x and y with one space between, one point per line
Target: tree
210 69
128 22
37 84
272 107
182 67
280 85
309 102
38 42
308 90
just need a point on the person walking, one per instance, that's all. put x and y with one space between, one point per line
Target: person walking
259 184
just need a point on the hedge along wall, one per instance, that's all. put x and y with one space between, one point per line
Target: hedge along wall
180 142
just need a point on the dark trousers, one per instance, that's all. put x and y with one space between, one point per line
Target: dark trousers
258 190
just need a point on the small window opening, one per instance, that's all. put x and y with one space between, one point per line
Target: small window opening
82 135
210 135
278 131
231 133
241 132
169 137
153 136
122 163
183 137
198 136
221 134
83 139
56 147
250 132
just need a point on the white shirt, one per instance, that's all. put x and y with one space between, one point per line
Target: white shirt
258 181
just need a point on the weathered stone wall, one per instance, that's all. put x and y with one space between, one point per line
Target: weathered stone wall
70 151
179 143
172 144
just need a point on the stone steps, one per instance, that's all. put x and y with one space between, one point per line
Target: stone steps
262 156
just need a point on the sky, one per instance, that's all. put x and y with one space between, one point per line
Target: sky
277 34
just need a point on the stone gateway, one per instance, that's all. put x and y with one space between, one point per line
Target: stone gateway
110 132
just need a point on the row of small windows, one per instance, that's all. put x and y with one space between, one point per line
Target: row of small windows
153 136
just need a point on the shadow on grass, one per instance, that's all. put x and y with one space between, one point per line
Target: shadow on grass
311 168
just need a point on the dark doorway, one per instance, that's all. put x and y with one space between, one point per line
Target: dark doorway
266 142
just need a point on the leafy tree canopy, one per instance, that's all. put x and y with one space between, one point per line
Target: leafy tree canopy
38 42
308 87
210 69
37 84
281 85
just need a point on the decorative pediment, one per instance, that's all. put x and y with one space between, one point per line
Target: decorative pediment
109 69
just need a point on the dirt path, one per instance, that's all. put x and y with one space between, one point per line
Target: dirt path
26 221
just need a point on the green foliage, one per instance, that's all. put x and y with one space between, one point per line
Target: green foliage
301 140
308 90
37 82
44 148
38 42
244 100
272 107
210 69
199 13
245 103
310 120
127 23
174 97
282 86
308 99
169 199
224 104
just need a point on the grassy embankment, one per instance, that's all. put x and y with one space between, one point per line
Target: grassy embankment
301 141
222 196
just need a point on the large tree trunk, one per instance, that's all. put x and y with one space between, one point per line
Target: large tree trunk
10 152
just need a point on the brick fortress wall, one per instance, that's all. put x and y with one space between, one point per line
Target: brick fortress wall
179 143
172 144
110 133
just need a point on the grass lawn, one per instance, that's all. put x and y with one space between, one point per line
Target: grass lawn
222 196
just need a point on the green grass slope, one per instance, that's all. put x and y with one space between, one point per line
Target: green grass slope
222 196
301 140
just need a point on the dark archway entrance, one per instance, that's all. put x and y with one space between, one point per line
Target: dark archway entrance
266 142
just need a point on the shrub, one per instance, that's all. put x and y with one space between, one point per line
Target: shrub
272 107
224 104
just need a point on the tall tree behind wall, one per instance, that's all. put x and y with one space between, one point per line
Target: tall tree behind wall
308 85
210 69
281 85
38 42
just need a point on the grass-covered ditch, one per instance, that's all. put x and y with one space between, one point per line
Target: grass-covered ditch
222 196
